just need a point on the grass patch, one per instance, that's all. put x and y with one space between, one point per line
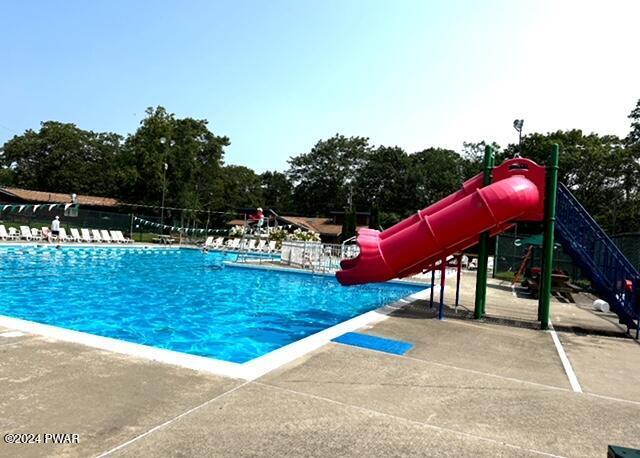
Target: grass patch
507 276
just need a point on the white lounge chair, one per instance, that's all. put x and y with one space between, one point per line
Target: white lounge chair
250 245
86 236
95 235
271 248
62 235
35 234
218 243
232 244
261 244
104 234
75 235
25 233
4 235
115 238
118 236
208 242
44 233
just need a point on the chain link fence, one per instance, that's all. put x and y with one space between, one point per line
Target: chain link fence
629 244
78 217
72 217
509 256
510 252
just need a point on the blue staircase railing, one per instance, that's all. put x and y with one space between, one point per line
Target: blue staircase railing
611 274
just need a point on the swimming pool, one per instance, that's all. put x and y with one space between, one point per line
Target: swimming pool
178 299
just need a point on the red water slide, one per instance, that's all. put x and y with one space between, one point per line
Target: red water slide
450 225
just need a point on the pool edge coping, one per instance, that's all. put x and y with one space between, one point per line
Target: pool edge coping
249 370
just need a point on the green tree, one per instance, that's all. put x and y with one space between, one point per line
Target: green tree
633 139
473 157
6 177
599 170
384 180
60 157
631 173
349 224
242 187
435 173
277 191
6 173
193 155
323 178
374 219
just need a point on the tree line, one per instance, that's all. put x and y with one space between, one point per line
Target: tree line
337 173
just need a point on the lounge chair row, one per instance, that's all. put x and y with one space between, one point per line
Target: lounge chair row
236 244
33 234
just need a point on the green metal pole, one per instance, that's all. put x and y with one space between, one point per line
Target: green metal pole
483 247
544 301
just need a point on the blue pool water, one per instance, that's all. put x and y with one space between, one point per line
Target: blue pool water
178 299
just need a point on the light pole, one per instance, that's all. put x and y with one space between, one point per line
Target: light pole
517 125
165 166
349 182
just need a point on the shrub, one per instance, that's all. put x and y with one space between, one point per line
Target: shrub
236 231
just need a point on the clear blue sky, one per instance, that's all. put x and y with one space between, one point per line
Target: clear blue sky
276 76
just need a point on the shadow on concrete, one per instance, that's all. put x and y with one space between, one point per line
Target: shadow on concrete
582 331
521 293
421 310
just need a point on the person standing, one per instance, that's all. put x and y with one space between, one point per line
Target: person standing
259 218
55 228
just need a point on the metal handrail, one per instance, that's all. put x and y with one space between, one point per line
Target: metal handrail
571 200
316 256
607 266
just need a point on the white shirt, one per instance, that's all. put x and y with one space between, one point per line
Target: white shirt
55 225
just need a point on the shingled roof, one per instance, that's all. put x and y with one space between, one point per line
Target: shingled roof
43 197
323 226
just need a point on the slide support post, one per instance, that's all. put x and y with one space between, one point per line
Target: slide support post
483 246
443 269
458 270
433 280
544 300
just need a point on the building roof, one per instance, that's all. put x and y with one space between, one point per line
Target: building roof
323 226
342 212
54 197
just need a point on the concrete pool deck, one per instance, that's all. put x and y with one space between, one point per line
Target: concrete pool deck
467 388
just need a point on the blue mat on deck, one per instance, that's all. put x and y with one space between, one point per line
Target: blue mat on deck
396 347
